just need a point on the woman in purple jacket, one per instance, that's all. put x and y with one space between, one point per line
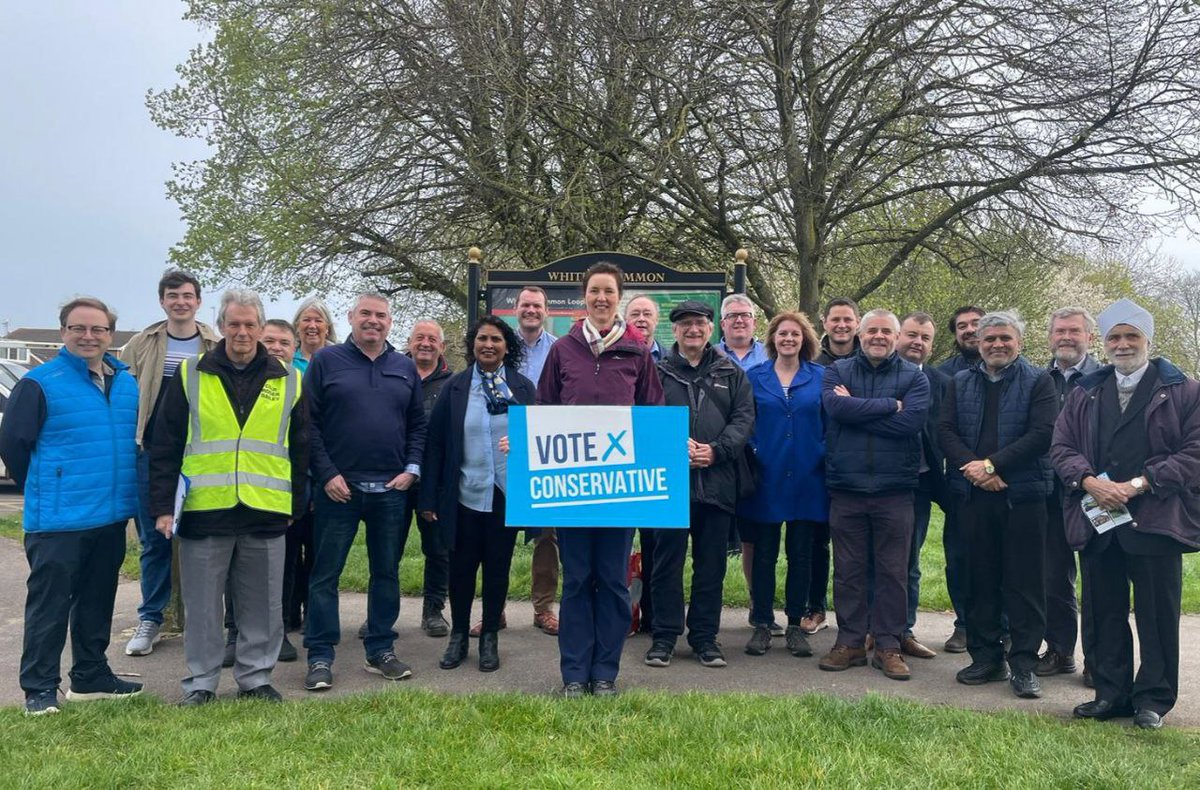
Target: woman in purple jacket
601 361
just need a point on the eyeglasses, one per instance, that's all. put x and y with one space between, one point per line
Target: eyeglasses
95 331
731 317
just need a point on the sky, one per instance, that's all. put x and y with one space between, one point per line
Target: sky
83 206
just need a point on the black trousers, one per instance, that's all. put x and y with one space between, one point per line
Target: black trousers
818 589
798 545
862 525
297 567
709 530
647 540
71 587
1006 547
1157 589
480 539
1062 608
436 553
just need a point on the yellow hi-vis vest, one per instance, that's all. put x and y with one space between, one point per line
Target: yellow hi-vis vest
227 463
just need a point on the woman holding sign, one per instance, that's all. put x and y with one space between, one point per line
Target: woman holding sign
463 489
601 361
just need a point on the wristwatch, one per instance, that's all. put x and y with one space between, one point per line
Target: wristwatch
987 466
1138 483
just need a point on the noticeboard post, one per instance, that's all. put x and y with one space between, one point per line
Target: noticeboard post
598 466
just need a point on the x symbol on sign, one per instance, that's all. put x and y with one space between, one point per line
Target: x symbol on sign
614 443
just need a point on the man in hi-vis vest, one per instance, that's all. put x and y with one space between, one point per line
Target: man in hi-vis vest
233 427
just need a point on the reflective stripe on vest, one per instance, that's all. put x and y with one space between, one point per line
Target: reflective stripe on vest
227 463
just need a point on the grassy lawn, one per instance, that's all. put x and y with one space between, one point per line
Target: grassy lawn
403 737
933 570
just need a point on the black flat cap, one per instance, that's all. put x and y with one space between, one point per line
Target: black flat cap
691 307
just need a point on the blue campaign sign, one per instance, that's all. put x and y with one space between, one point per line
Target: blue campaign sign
597 466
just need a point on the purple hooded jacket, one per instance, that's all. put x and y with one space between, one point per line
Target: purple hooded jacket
623 375
1172 506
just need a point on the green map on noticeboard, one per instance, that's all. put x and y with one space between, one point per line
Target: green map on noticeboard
565 307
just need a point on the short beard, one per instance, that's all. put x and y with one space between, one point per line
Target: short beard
968 353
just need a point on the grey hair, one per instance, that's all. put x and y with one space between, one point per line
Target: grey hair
370 295
736 299
441 332
1001 318
879 312
244 298
318 304
1070 312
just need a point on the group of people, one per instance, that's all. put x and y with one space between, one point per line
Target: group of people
263 445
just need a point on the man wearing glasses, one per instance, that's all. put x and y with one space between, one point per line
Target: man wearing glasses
737 330
69 443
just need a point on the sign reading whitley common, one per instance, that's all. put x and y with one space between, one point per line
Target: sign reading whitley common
598 466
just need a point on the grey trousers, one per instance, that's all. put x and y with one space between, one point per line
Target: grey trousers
254 567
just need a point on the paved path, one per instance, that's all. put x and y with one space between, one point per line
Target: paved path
530 661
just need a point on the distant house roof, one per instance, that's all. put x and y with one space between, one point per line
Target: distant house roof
54 338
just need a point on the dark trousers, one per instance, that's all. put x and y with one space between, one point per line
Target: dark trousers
298 551
1006 566
954 544
818 589
709 530
646 539
860 526
922 505
1157 589
480 539
595 612
71 587
334 531
1062 610
798 545
436 553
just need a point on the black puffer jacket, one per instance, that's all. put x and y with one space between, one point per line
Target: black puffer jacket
721 413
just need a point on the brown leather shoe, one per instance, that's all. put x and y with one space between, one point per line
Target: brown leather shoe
813 622
891 664
478 627
547 622
911 647
843 657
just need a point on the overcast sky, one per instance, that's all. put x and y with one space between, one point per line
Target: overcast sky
83 207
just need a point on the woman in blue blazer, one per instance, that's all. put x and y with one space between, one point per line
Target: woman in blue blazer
464 483
789 444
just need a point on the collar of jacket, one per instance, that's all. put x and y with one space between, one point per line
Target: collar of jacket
712 363
1020 362
387 347
832 355
79 364
440 371
892 361
1168 375
1086 366
217 361
631 342
206 332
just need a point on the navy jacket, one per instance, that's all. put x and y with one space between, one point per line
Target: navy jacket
939 489
368 420
872 447
443 458
1028 406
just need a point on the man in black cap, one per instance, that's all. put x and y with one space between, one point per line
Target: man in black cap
721 407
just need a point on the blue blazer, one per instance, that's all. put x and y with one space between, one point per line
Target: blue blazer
789 444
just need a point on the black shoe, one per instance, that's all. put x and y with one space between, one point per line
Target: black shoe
489 652
797 642
575 690
604 688
957 643
979 673
265 692
287 651
1025 685
1103 710
1147 720
197 697
111 687
660 653
362 630
432 621
710 655
760 641
1053 662
230 650
387 665
319 677
456 651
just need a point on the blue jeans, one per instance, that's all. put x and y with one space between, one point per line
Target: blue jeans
334 528
156 550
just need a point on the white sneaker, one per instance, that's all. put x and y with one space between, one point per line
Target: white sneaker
142 643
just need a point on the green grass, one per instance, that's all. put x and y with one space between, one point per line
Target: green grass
406 737
933 570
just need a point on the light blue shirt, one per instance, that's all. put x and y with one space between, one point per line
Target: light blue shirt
756 355
484 467
535 356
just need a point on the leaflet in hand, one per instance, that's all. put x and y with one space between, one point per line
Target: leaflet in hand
181 492
1102 518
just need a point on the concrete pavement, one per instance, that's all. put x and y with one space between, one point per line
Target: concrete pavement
530 661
